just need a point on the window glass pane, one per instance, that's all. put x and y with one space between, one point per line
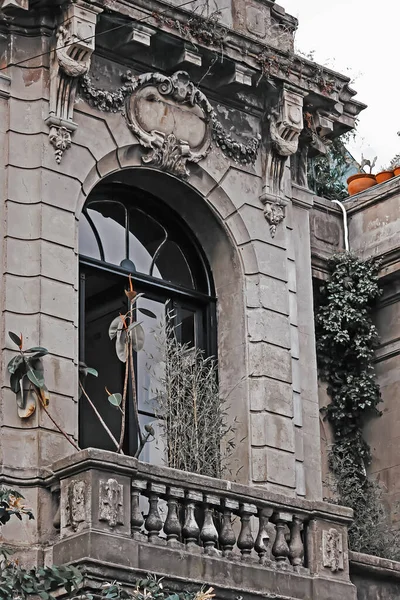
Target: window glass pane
149 359
173 266
109 220
88 245
145 237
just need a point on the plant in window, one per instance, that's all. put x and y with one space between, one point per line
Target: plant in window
191 412
129 338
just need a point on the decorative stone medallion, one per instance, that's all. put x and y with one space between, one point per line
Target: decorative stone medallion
172 118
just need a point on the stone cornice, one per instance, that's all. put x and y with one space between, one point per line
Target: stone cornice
322 87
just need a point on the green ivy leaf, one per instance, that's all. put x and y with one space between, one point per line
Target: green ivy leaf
15 338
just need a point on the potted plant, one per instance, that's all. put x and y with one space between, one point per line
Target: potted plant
395 165
362 181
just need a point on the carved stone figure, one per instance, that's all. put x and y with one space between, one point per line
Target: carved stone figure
332 550
111 502
75 508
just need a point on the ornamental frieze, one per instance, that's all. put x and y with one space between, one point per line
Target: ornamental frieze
172 118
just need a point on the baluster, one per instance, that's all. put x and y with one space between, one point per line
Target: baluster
227 538
296 547
137 520
190 529
262 541
209 533
280 549
153 522
245 540
172 525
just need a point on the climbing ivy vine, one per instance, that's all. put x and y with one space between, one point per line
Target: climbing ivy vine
346 338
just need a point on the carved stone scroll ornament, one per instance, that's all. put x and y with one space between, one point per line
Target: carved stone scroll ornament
75 506
183 134
332 550
172 118
111 502
69 61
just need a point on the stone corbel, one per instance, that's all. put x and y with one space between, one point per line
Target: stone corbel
285 127
70 60
286 122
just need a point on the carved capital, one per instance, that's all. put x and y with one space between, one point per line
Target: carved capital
74 46
332 550
274 211
286 122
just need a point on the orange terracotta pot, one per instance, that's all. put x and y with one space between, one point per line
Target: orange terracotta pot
396 171
360 182
384 176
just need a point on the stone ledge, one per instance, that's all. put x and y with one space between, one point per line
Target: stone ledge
112 557
381 567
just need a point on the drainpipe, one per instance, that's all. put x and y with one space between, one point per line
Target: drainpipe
345 227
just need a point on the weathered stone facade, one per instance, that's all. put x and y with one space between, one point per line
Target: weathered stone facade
206 115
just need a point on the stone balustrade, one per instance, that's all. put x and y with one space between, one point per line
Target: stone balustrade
132 517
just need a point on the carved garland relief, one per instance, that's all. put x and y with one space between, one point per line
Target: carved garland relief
332 550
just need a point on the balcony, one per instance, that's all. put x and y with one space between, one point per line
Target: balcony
120 518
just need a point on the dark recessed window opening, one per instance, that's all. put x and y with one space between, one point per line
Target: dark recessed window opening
123 231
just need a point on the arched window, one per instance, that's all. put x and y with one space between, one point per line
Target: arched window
124 230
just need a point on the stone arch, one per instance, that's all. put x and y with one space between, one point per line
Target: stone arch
205 207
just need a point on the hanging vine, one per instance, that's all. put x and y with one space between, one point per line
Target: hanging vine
346 338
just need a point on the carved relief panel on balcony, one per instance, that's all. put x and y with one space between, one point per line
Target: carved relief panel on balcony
111 502
75 506
332 550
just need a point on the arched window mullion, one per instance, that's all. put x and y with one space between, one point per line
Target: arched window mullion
96 235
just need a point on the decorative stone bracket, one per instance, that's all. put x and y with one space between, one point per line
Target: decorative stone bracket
274 211
285 127
286 123
69 61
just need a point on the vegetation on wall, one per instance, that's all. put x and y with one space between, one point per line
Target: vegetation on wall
346 338
327 172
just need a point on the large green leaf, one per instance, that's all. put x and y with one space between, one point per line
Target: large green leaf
15 338
15 363
120 346
15 382
138 337
115 326
36 377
